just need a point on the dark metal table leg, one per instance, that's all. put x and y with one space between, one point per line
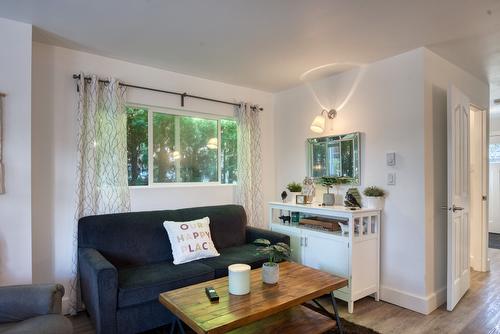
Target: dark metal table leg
177 324
336 311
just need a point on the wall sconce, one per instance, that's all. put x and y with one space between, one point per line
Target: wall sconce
318 124
212 144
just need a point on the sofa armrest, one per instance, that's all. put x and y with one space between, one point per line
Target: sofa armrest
21 302
253 233
99 287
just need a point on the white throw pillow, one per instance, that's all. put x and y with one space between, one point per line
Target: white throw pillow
190 240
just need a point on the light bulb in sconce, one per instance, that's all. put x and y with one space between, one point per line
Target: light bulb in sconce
318 124
212 144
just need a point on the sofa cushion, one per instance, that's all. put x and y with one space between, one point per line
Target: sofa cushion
138 238
190 240
246 254
142 284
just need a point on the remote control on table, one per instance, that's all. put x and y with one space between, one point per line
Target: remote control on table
212 294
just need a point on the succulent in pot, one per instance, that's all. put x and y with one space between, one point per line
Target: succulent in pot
295 189
276 253
374 197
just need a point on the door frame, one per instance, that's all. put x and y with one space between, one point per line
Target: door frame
483 262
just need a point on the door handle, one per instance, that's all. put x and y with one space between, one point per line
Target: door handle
453 208
305 241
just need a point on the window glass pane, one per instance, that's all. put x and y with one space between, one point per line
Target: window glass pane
494 152
165 154
198 150
229 161
137 146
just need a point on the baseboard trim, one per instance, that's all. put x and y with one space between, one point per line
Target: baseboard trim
424 305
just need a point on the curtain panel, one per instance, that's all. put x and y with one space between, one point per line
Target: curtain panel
249 185
102 176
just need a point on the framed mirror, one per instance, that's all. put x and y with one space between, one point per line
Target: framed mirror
334 156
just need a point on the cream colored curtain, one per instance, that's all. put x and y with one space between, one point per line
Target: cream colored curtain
2 175
249 184
102 177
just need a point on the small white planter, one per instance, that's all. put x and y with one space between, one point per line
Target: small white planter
376 203
293 196
270 273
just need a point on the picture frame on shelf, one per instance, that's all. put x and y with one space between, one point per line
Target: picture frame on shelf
300 199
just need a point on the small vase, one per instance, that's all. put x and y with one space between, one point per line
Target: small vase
329 199
270 273
293 197
376 203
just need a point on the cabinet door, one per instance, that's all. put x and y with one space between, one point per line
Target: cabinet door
295 240
326 254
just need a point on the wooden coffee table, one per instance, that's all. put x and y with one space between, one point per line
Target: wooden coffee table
264 308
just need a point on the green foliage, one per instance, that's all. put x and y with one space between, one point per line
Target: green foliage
331 181
276 252
180 150
374 191
137 146
229 146
294 187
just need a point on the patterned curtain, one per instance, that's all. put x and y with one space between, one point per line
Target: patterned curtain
249 185
102 177
2 182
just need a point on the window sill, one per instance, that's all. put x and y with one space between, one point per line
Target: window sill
183 185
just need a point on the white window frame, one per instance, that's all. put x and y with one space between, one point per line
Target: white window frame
180 112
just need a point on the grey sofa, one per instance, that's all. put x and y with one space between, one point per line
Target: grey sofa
33 309
125 262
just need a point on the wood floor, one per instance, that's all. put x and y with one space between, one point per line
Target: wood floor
477 312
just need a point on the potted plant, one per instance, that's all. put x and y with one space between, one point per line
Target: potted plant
332 182
295 189
374 197
328 182
276 253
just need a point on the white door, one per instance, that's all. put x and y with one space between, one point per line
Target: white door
458 196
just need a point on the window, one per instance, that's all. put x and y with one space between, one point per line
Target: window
183 148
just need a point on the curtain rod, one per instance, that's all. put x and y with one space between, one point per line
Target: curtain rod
182 95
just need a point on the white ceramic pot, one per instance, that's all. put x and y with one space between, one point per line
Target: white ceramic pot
329 199
292 196
270 273
374 202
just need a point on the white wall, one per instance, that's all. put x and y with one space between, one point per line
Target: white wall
15 204
439 74
399 104
54 145
387 108
494 178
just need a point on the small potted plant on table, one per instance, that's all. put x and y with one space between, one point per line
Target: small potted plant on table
374 197
277 253
295 189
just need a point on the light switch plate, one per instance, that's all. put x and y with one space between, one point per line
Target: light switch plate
391 179
391 159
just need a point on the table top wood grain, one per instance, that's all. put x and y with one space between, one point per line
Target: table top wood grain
297 285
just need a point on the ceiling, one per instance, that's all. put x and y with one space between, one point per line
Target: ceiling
267 44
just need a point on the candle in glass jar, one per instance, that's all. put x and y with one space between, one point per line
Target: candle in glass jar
239 279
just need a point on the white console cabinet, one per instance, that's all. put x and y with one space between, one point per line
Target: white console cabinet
354 255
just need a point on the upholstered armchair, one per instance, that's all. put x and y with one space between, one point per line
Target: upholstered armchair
33 309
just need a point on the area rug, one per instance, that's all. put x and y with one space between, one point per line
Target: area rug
494 240
349 327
